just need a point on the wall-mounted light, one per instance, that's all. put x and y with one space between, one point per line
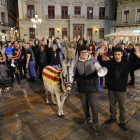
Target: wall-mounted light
96 30
58 29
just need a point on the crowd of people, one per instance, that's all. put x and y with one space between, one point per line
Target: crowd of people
35 55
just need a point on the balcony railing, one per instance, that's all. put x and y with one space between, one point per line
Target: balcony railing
122 23
5 24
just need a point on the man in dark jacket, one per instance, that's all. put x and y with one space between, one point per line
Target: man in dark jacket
133 59
87 82
42 60
22 61
14 70
118 70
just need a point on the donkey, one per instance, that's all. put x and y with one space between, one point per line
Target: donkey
63 89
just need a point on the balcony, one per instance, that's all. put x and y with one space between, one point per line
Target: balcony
125 24
5 24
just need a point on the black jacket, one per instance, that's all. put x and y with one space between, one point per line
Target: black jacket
132 57
86 76
43 58
118 73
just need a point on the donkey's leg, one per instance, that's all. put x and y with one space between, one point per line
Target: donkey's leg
47 98
58 103
62 104
53 99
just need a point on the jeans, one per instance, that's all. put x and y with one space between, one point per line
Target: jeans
121 98
92 99
31 71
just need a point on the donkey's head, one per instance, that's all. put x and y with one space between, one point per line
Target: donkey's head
67 73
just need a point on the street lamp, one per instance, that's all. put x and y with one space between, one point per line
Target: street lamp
36 21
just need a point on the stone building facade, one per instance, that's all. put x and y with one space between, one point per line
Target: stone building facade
128 18
7 19
67 17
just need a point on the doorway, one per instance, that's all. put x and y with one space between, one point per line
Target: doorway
77 30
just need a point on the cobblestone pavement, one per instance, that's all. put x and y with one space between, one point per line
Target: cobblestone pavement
25 116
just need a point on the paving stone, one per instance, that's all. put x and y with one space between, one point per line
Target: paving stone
4 133
48 111
107 133
49 137
7 121
95 137
51 127
135 126
16 126
138 137
24 107
33 128
39 134
77 134
63 131
126 135
30 119
39 116
136 116
10 138
53 117
21 135
10 104
43 122
10 112
61 122
71 116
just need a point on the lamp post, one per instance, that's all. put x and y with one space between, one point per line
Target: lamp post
36 21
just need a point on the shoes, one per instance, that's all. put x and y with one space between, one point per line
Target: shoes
123 126
131 86
6 89
88 120
13 65
111 121
129 83
97 130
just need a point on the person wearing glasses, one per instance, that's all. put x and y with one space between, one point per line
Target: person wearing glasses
86 78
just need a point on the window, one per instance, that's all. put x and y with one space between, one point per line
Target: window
2 17
31 12
51 32
89 12
77 10
1 2
64 32
51 12
64 10
89 32
32 33
101 33
138 15
102 13
126 16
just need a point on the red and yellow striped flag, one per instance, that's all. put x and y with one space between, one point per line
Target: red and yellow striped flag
51 75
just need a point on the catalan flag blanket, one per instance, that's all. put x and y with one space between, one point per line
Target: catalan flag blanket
51 75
